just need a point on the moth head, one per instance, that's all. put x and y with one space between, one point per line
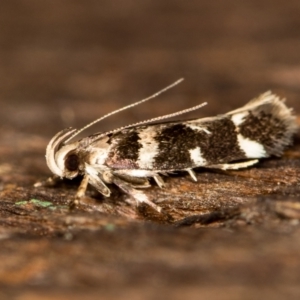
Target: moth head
62 159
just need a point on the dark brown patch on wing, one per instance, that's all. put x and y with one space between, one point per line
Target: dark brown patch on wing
223 146
125 150
175 141
263 128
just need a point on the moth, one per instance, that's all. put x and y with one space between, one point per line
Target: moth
129 156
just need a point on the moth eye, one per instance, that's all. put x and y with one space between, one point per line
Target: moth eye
72 162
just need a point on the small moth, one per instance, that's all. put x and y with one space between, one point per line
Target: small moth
129 156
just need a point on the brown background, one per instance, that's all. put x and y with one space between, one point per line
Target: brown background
233 235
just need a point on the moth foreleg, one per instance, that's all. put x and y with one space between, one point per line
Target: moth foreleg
139 182
49 182
80 192
82 187
159 181
139 196
234 166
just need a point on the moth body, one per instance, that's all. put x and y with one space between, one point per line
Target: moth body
129 156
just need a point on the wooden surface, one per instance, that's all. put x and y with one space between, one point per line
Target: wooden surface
231 235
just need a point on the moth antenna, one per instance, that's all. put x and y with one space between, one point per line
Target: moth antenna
160 118
124 108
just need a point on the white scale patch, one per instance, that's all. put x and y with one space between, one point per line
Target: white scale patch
239 118
197 128
196 157
149 148
251 148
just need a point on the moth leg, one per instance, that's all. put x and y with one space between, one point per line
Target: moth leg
192 174
100 186
95 180
139 182
82 187
80 192
234 166
159 181
138 196
49 182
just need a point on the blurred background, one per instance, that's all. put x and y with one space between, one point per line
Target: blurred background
66 63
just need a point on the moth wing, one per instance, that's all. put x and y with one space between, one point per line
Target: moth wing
265 98
132 148
266 120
